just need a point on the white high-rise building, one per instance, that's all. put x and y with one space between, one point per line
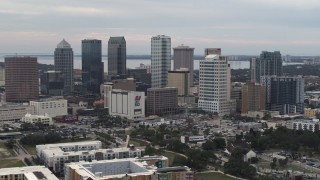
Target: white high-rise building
215 85
160 60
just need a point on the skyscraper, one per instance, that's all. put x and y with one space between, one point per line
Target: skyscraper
117 56
160 60
284 94
183 58
269 63
63 62
21 78
215 84
181 80
92 66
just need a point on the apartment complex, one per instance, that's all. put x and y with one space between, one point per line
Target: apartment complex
27 173
253 97
181 80
63 62
215 85
183 57
53 107
21 79
160 60
162 101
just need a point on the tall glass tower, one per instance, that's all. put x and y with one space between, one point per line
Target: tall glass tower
117 56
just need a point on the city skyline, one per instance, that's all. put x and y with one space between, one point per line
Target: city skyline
238 27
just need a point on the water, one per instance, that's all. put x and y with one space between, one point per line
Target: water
132 63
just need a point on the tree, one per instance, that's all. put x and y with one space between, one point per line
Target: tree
266 115
209 145
254 160
220 143
149 150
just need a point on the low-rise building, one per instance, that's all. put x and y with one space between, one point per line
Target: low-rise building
249 155
156 122
310 125
10 113
192 139
27 173
53 106
308 112
44 119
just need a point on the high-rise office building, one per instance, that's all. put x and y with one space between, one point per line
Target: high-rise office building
162 101
183 58
253 97
117 56
63 62
160 60
92 65
284 94
215 84
209 51
268 64
54 83
21 78
181 80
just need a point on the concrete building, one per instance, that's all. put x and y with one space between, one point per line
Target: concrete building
183 57
191 139
311 125
284 94
10 113
21 79
117 56
92 65
129 104
54 83
44 119
308 112
215 85
268 64
181 80
253 97
162 101
209 51
104 92
160 60
63 62
124 169
53 107
27 173
2 76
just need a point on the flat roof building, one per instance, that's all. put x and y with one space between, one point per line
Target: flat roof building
27 173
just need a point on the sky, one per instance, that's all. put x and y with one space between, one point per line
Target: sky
239 27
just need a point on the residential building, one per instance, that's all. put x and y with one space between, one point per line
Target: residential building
21 79
308 112
160 60
162 101
117 56
268 64
63 62
250 154
129 104
183 57
253 97
284 94
92 65
209 51
10 113
27 173
54 83
215 85
124 169
181 80
43 119
52 106
311 125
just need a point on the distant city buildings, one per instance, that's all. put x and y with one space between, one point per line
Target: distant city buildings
21 79
284 94
181 80
54 83
183 57
117 56
140 75
215 85
63 62
160 60
253 97
209 51
268 64
162 101
92 65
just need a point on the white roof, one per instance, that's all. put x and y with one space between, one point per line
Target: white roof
31 172
63 44
212 56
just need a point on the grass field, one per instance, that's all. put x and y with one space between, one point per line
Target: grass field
7 152
213 176
170 156
11 163
31 149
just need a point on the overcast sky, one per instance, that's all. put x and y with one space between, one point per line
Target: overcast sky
237 26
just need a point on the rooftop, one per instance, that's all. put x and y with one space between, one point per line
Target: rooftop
30 172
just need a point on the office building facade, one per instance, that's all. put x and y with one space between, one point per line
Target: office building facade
117 56
92 65
160 60
253 97
215 84
162 101
63 62
54 83
53 107
181 80
183 57
284 94
268 64
21 79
